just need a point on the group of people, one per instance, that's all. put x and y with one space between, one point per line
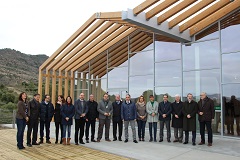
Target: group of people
122 113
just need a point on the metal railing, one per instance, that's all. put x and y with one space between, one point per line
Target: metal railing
7 117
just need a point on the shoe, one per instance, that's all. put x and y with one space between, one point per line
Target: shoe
108 140
155 140
143 139
194 144
29 145
56 142
49 142
201 143
169 141
120 139
20 148
93 140
135 141
180 141
140 139
98 140
61 141
185 142
114 139
82 142
175 140
209 144
126 140
160 140
41 141
87 141
64 141
76 144
68 141
150 140
36 143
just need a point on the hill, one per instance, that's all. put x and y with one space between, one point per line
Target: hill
17 67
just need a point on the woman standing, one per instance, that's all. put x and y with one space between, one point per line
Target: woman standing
58 118
22 115
67 112
141 117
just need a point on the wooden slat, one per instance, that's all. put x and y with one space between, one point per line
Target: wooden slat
143 6
60 83
109 15
47 83
66 81
204 14
53 98
40 79
68 41
214 17
160 7
200 5
72 86
174 10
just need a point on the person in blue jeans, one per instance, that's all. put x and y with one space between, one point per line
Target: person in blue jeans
141 117
22 117
67 111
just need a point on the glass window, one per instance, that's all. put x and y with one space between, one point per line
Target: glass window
230 68
118 77
171 91
167 51
168 73
202 55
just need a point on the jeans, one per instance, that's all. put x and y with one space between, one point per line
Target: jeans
21 124
104 122
141 128
32 128
132 124
167 122
47 127
58 126
68 129
208 124
88 124
120 127
154 126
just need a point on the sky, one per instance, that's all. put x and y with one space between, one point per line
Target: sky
41 26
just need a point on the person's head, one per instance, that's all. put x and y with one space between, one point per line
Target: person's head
69 100
189 97
128 97
233 97
165 97
117 97
91 97
151 97
36 97
47 98
203 95
105 97
177 97
22 97
81 96
141 99
61 98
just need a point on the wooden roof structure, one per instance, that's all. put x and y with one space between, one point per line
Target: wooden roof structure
109 29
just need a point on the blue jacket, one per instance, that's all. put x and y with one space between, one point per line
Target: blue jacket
46 111
128 111
67 111
164 109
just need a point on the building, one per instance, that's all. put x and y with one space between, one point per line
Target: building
171 46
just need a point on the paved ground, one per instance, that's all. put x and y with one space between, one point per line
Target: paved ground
222 149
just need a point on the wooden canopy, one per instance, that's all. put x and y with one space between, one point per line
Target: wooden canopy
104 30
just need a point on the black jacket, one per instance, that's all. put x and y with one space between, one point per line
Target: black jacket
116 111
164 109
57 113
34 107
92 113
46 111
177 110
207 107
189 124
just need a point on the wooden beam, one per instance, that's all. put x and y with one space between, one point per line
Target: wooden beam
203 14
96 47
84 44
89 47
75 43
47 83
66 84
40 79
87 57
72 86
159 8
60 83
109 15
141 7
174 10
68 41
200 5
214 17
54 87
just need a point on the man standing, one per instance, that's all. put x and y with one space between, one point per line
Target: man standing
34 106
190 108
81 109
105 110
177 119
116 118
165 110
46 114
206 114
129 115
91 117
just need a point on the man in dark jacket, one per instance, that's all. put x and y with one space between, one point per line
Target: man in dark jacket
190 108
46 114
34 106
116 118
91 117
177 118
206 114
81 109
165 110
129 115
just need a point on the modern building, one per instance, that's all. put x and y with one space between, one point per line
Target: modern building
171 46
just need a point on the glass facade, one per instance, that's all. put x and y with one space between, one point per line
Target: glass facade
147 66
